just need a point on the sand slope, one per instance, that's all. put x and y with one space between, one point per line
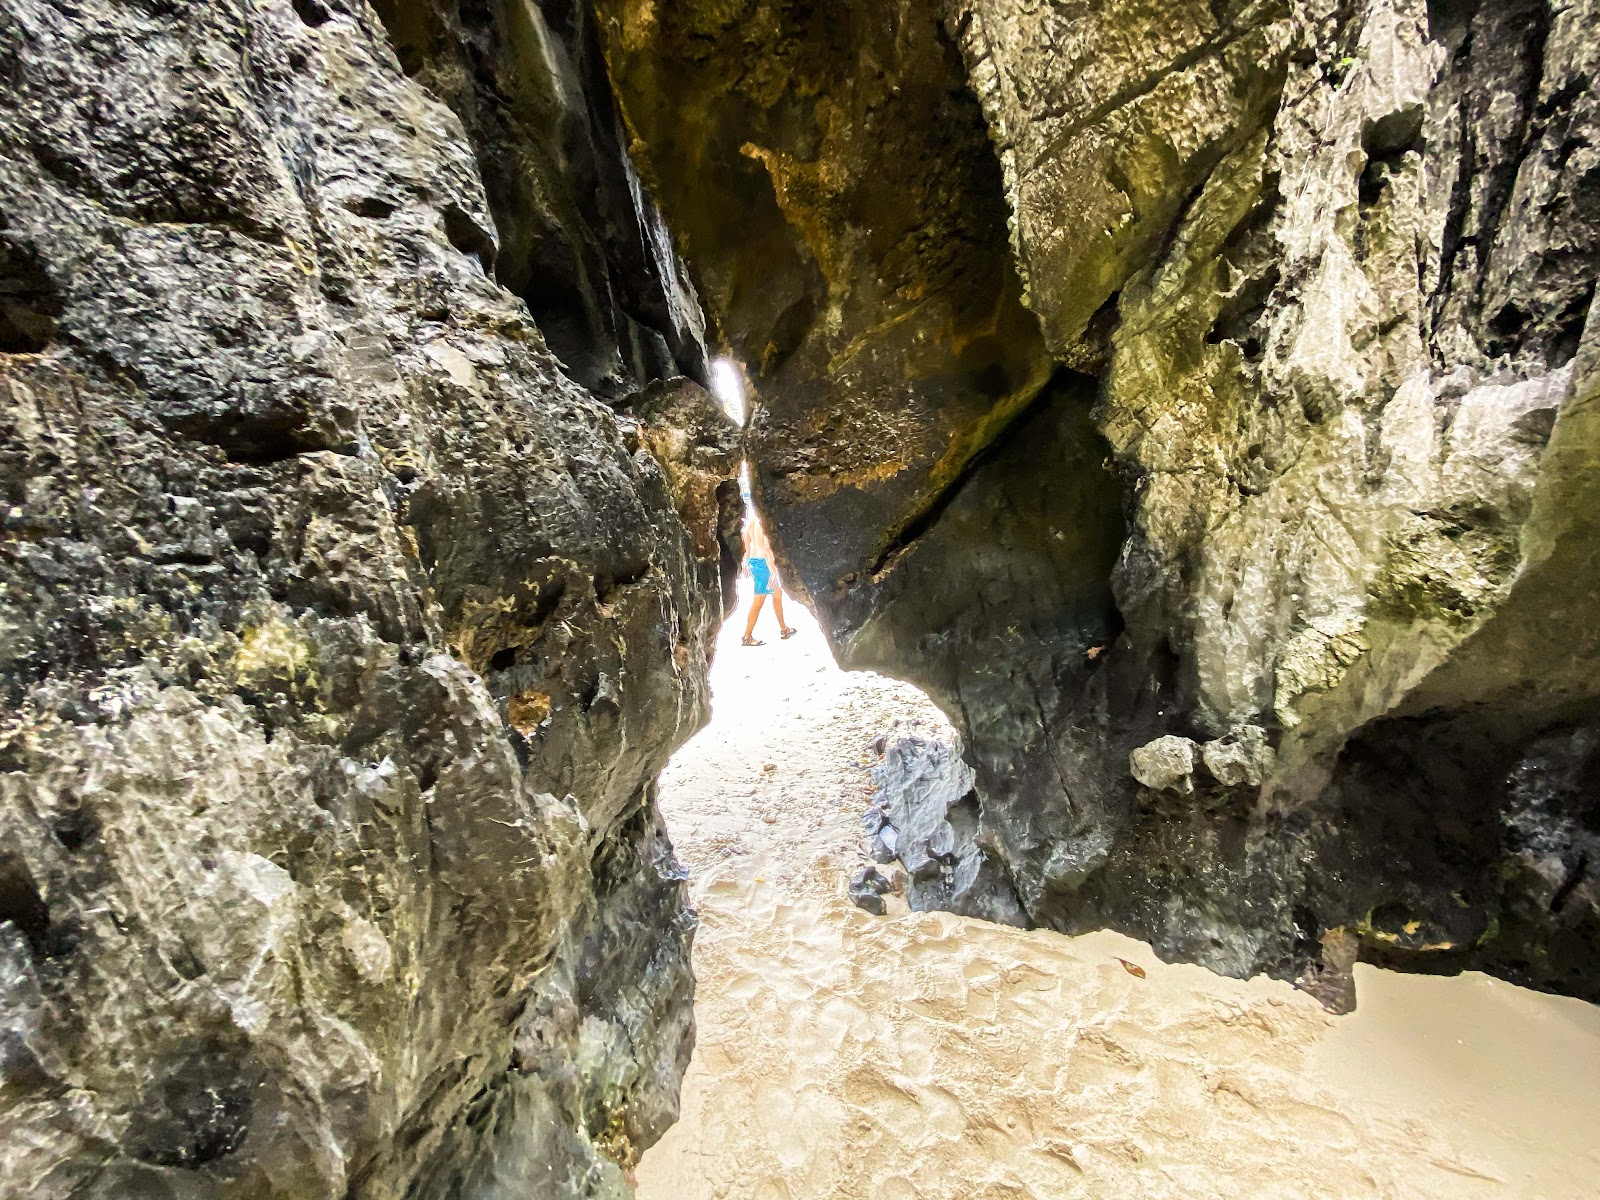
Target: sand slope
928 1056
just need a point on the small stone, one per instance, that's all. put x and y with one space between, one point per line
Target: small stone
1242 757
870 877
870 902
867 887
1165 764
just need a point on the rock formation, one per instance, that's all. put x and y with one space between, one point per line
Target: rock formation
1198 399
924 815
353 590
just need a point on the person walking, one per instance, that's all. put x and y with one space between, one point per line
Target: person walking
766 582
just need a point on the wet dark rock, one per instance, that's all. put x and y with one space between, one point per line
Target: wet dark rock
342 632
574 234
868 886
929 824
920 780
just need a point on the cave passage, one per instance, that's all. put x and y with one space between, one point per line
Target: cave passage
931 1054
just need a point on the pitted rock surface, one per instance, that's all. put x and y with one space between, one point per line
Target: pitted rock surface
342 634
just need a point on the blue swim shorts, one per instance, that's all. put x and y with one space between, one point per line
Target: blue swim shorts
761 573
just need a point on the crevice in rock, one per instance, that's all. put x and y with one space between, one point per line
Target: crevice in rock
313 12
467 236
1510 40
1450 22
75 827
22 905
1386 149
579 240
30 305
1564 892
1569 325
920 521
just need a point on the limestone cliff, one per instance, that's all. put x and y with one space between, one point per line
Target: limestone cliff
1268 612
343 629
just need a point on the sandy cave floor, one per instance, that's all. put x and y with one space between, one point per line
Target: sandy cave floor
928 1056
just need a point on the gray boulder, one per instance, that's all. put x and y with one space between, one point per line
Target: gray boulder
1165 764
929 822
1243 758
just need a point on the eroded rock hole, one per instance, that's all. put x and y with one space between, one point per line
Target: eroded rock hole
469 237
313 12
30 306
21 903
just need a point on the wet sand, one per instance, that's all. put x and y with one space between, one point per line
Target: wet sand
930 1056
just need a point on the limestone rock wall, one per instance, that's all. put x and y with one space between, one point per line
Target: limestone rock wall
577 238
828 176
341 632
1268 616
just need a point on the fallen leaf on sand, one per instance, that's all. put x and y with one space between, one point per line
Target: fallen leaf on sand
1133 969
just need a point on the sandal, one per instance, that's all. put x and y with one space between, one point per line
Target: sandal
788 633
750 641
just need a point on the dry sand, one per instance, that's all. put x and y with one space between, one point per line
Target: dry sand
929 1056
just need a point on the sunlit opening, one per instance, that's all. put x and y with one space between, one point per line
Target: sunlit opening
728 388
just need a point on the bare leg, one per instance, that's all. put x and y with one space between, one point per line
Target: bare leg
750 624
777 607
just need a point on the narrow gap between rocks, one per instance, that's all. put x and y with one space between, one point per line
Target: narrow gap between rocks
923 1054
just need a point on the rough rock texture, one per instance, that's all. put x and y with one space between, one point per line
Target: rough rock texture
1165 764
1312 485
1106 118
577 238
925 816
341 635
689 433
829 178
